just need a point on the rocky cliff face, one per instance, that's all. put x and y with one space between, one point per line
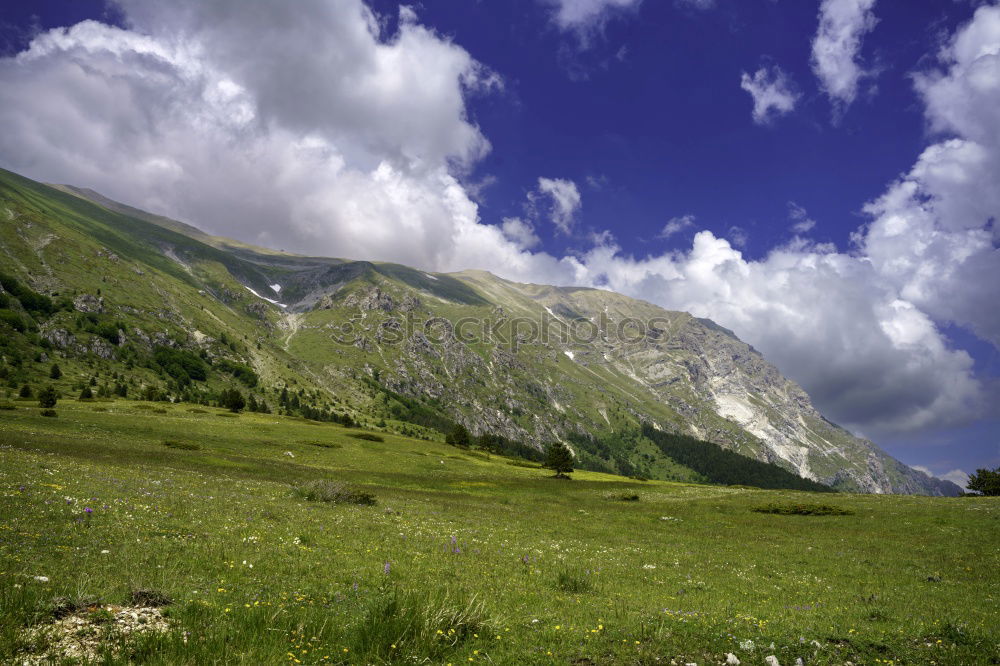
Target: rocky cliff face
537 363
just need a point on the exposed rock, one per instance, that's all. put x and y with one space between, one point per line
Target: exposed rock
257 309
89 303
59 337
370 300
732 660
410 303
102 348
83 635
771 660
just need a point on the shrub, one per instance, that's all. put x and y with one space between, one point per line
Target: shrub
793 509
232 400
55 372
334 492
49 412
985 481
244 373
13 320
48 397
459 436
367 436
86 394
180 364
25 391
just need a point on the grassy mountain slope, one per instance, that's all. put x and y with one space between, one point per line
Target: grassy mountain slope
409 351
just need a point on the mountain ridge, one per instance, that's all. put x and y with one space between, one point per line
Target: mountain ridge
679 373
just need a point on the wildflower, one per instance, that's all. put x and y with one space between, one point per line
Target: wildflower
387 568
87 509
42 579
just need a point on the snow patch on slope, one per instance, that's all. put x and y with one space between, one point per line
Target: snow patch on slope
265 298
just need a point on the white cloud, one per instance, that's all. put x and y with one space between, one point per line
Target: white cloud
800 216
305 127
563 198
303 118
957 477
842 26
585 15
676 225
934 233
520 232
772 95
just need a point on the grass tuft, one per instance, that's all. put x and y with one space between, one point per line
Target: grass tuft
573 581
421 625
621 497
334 492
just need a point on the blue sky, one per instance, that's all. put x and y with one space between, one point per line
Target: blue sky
603 142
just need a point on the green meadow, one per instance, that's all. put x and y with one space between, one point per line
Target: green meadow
463 558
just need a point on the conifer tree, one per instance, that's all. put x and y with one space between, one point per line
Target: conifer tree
559 459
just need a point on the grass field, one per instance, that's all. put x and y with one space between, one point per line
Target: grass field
462 559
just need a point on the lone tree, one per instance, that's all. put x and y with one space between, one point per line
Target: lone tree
986 482
232 400
25 391
559 459
459 436
55 372
47 397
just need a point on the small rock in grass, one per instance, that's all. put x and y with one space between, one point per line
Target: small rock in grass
799 662
771 660
289 454
732 660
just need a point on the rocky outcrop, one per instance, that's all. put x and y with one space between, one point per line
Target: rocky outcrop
89 303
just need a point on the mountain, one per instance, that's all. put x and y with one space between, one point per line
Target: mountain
169 311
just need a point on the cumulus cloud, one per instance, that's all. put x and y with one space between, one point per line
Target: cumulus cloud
935 234
956 476
306 114
675 225
562 200
520 232
309 128
585 15
771 92
802 223
842 26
